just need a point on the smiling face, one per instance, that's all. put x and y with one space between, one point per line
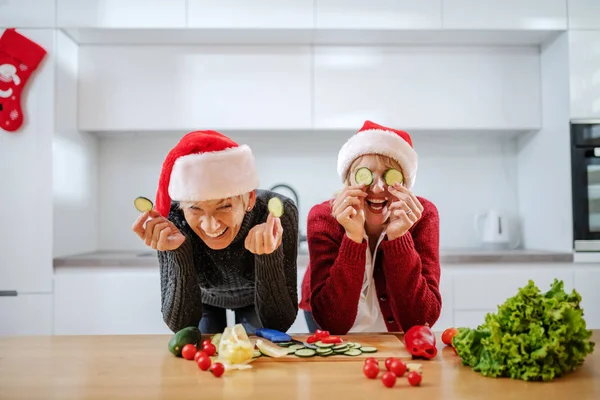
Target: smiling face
218 222
378 198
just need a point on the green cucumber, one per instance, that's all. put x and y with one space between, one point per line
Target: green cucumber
296 347
341 346
275 207
188 335
324 351
343 350
353 352
324 345
392 176
368 349
363 176
285 344
354 345
305 353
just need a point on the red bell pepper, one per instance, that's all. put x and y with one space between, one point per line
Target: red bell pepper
332 339
321 334
420 342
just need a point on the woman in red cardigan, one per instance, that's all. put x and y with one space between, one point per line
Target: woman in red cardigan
374 248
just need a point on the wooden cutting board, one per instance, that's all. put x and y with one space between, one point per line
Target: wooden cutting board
387 346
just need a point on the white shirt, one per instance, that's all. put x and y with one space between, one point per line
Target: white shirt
369 317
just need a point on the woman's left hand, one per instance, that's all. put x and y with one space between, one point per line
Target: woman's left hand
405 211
265 238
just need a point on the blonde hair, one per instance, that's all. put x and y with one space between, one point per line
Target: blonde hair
244 198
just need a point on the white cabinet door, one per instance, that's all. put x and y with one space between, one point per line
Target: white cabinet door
27 13
26 182
505 14
584 14
290 14
584 65
108 301
482 288
379 14
26 314
587 282
194 87
427 87
121 13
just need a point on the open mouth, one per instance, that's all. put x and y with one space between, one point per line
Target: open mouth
376 205
217 234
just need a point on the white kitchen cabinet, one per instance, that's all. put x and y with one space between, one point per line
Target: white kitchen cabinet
584 74
505 14
378 14
427 87
108 301
263 14
587 283
121 13
27 13
194 87
26 183
584 14
484 288
26 314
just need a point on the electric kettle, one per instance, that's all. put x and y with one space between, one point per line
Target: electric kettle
495 230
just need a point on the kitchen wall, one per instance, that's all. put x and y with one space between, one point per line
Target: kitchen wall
461 173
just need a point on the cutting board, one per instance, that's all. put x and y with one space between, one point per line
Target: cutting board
387 346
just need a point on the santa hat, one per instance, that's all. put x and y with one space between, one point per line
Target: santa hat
373 138
205 165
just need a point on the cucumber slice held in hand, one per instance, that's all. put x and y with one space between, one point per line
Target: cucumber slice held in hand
363 176
143 204
392 176
275 207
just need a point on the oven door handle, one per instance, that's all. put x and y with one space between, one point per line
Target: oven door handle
596 152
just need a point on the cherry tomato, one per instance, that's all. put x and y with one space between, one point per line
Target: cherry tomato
210 349
389 379
217 369
398 368
204 363
207 341
188 351
371 370
200 354
414 378
448 335
372 360
388 362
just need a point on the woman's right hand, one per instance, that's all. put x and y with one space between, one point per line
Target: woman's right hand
159 233
348 210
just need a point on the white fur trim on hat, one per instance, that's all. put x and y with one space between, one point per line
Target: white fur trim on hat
385 143
213 176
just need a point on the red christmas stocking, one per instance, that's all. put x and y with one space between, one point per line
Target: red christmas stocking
19 57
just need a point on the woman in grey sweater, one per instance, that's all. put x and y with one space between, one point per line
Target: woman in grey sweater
218 245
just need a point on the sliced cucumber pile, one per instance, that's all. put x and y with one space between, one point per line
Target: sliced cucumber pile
329 349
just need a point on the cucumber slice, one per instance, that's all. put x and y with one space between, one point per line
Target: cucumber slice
285 344
368 349
341 351
354 345
392 176
341 346
275 207
256 354
143 204
291 351
363 176
305 353
353 352
296 347
324 351
324 345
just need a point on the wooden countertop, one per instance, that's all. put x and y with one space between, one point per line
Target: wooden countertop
140 367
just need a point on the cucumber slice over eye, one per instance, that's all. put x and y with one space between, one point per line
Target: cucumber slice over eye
143 204
275 207
392 176
363 176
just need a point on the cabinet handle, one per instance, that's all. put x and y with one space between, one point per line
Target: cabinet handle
7 293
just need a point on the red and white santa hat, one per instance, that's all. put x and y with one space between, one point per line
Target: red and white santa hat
205 165
373 138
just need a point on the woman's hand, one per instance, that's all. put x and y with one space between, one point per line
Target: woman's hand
159 233
348 210
265 238
404 212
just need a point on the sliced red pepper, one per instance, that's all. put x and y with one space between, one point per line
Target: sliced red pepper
321 334
332 339
312 339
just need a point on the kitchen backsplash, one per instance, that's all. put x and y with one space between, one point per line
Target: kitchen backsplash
462 175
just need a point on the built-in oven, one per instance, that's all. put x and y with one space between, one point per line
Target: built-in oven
585 170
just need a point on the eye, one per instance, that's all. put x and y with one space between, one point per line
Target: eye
225 207
195 208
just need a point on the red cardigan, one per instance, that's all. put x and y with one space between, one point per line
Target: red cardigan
406 273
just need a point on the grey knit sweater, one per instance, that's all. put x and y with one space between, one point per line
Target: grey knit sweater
194 274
